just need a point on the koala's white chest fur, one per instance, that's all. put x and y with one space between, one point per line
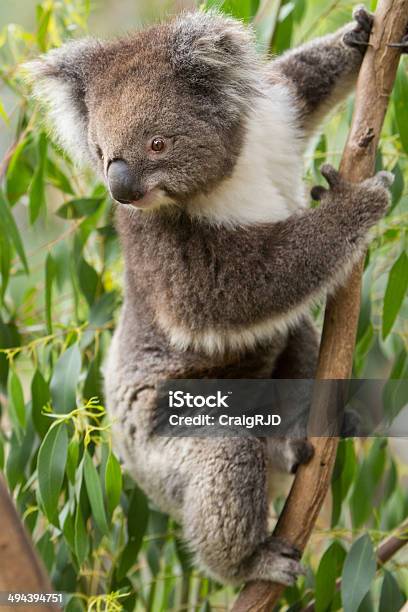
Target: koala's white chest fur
266 184
265 187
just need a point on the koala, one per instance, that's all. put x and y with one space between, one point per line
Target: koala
200 142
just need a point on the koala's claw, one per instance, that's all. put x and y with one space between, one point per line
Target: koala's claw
402 46
283 547
333 178
283 560
384 179
331 175
359 35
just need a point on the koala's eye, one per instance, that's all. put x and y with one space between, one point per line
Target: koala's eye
158 145
99 152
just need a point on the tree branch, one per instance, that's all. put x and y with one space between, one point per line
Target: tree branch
312 481
20 568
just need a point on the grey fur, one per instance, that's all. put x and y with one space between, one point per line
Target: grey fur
194 81
323 71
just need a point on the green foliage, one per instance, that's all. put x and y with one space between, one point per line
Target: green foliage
60 291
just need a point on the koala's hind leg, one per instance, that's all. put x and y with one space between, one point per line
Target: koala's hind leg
225 515
299 357
297 361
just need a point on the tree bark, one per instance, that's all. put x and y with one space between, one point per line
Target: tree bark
20 569
312 481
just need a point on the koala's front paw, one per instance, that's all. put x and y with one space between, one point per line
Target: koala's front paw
283 561
358 37
366 202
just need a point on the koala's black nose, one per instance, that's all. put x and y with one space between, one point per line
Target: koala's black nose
123 183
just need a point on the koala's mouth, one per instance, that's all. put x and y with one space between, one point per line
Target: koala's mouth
154 198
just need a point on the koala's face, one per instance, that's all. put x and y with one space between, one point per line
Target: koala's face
160 114
151 137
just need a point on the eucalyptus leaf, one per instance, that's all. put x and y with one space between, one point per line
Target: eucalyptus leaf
51 462
40 398
391 599
94 489
113 482
8 225
16 401
65 379
358 573
395 292
83 207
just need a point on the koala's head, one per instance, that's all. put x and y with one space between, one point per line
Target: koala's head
159 113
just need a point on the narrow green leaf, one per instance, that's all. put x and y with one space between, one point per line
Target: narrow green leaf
19 453
88 280
113 482
50 274
64 380
358 573
329 569
343 474
16 401
40 398
5 262
51 462
3 114
58 178
94 490
10 227
391 599
395 292
75 209
36 200
37 189
93 382
45 547
397 188
137 517
9 338
1 452
400 97
366 482
68 529
19 180
265 22
72 460
81 538
43 29
241 9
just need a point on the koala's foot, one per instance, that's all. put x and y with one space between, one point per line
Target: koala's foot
275 560
351 426
367 201
286 454
297 452
359 35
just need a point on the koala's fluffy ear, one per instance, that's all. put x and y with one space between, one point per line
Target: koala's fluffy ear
216 52
59 80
